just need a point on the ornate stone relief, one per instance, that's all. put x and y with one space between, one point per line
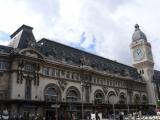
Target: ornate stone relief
15 51
54 52
105 89
84 60
126 72
63 56
32 44
117 91
20 64
22 74
62 84
129 91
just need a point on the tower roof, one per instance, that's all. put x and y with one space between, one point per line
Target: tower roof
21 37
138 34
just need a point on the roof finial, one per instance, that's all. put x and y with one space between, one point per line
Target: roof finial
136 27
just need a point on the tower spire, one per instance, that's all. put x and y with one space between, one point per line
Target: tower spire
136 27
138 34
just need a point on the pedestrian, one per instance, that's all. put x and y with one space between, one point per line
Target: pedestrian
121 117
88 116
43 118
73 116
97 116
62 116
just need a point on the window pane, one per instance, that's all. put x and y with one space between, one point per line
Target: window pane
50 95
72 96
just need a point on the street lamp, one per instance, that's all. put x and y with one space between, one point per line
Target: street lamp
82 85
112 100
113 108
128 106
56 107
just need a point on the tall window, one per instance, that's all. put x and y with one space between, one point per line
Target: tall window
99 98
28 89
29 67
112 97
57 73
63 74
122 99
50 94
4 65
53 72
144 99
136 99
68 75
72 96
46 71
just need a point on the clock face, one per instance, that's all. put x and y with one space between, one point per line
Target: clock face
138 54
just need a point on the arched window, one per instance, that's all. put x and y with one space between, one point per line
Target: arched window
136 99
122 99
144 99
99 98
112 99
50 94
72 95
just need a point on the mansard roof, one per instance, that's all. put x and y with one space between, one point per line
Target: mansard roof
156 76
5 49
21 37
24 38
58 51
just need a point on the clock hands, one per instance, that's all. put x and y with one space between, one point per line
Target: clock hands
138 54
138 51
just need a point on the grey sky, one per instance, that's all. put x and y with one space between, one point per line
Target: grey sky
111 22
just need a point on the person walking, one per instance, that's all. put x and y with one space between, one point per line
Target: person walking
97 116
121 117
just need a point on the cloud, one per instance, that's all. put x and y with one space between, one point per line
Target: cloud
106 26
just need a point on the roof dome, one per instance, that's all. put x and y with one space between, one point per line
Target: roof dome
138 34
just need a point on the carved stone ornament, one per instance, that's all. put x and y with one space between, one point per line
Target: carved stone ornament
129 91
15 51
32 44
62 84
105 89
117 91
27 75
84 60
126 73
20 64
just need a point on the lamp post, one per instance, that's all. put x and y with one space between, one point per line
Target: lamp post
82 85
128 106
56 108
113 109
112 100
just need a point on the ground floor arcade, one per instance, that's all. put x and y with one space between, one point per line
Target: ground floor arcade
63 110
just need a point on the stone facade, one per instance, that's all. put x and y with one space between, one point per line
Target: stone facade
46 77
143 61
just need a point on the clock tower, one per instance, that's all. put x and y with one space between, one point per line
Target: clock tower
142 59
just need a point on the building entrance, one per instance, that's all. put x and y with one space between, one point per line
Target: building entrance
50 115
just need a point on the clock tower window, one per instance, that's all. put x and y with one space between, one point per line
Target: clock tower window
141 72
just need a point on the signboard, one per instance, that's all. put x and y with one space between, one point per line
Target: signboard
113 99
55 106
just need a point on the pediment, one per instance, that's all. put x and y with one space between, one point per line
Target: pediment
31 53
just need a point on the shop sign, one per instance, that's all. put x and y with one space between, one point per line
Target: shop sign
55 106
